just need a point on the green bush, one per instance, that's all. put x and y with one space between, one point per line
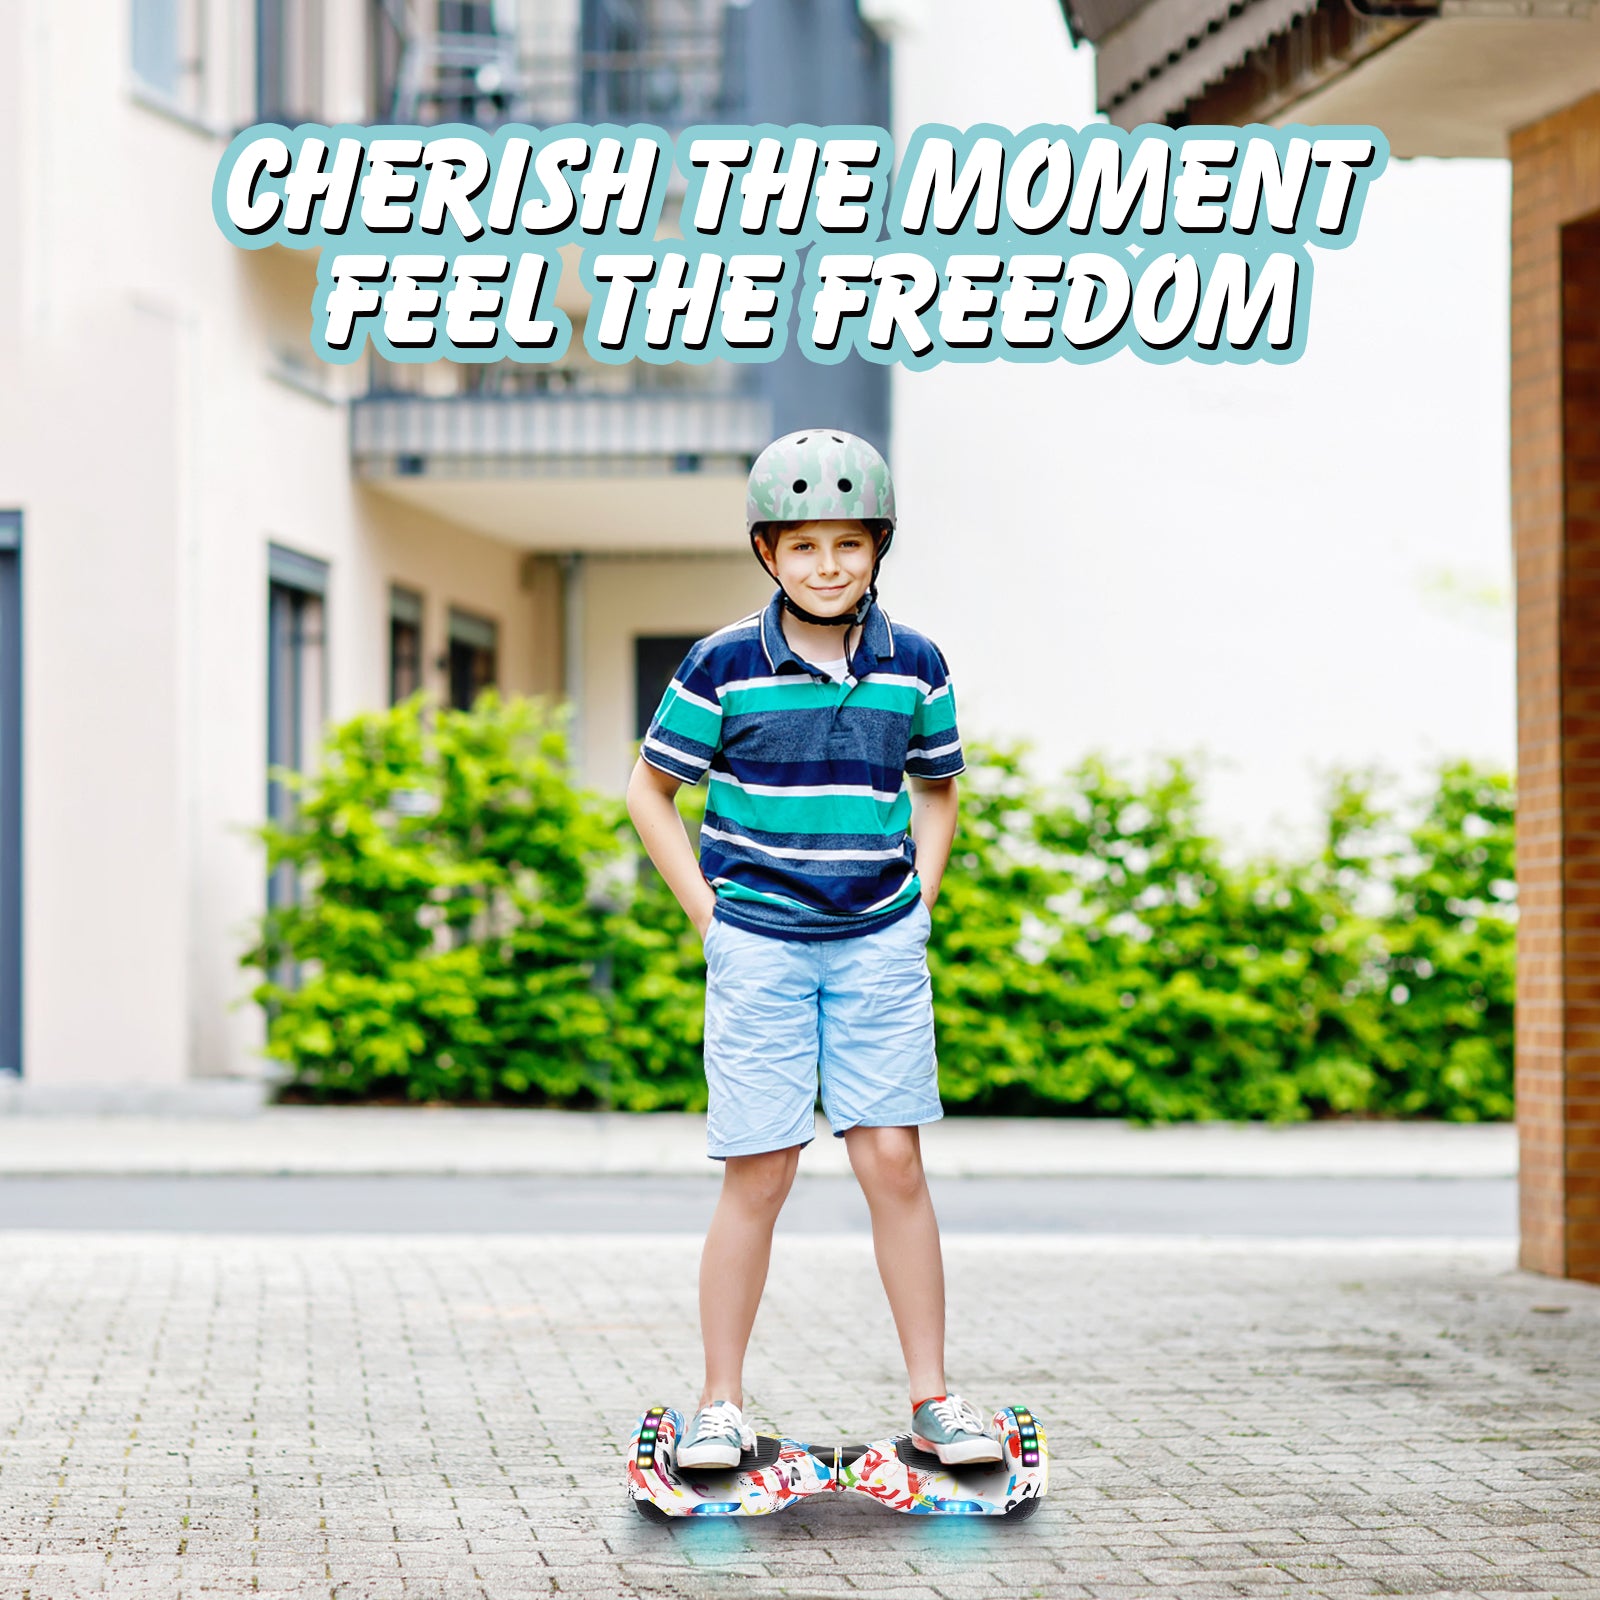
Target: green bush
471 925
1099 954
452 918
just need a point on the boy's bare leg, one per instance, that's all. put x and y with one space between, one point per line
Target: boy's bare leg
733 1264
905 1238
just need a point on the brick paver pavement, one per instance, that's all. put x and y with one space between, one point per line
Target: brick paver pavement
379 1418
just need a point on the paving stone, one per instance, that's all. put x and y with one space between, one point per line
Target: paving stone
442 1417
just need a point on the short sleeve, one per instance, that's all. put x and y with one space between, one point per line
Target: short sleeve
935 748
687 727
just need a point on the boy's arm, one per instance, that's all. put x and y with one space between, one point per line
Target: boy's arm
655 815
934 803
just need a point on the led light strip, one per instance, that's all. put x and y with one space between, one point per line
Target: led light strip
648 1430
1030 1436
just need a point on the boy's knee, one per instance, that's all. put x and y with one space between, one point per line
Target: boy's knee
761 1181
888 1161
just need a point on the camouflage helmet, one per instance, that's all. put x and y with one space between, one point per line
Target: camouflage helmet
820 474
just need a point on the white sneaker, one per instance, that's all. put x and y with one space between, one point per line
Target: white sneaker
954 1431
717 1437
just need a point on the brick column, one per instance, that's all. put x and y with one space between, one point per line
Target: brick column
1555 487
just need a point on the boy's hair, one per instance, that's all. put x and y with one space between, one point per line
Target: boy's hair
770 532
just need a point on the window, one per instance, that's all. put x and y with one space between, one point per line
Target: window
613 34
655 659
466 16
168 48
297 683
405 644
476 67
10 792
474 655
289 61
386 43
654 60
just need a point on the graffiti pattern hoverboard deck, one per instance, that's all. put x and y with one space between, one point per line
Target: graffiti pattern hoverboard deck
780 1473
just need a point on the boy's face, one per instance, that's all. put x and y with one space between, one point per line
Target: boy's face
825 566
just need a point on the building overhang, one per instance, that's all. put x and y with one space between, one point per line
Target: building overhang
637 473
640 515
1439 77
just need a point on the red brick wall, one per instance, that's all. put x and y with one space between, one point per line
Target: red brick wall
1555 492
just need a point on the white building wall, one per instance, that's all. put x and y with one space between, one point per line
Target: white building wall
105 643
1281 568
155 449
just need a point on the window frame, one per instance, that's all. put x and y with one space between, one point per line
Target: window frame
187 22
295 583
406 610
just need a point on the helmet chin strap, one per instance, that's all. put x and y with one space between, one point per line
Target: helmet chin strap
847 619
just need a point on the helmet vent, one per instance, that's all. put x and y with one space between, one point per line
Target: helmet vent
802 439
799 486
846 485
838 438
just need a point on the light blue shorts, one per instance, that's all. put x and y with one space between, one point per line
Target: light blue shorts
780 1013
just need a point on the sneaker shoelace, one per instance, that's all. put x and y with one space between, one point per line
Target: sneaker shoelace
958 1415
721 1421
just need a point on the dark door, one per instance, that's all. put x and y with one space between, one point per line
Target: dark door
474 658
10 791
655 658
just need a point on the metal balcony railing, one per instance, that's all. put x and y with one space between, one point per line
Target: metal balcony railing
410 435
672 79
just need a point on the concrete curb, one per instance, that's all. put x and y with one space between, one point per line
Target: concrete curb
427 1141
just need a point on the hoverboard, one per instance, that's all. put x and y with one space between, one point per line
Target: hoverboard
780 1473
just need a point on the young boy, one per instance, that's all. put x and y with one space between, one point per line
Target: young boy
813 902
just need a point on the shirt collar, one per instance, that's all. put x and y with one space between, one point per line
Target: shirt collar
877 637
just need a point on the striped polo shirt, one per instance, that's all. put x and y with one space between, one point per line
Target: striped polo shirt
807 831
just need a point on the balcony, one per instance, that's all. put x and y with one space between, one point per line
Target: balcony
465 435
592 69
634 470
